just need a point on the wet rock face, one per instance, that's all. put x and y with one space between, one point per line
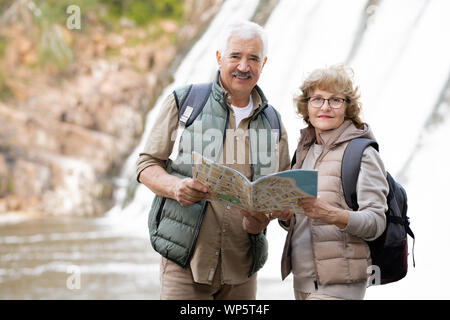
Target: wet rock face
61 146
64 139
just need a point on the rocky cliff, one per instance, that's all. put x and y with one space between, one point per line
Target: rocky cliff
67 125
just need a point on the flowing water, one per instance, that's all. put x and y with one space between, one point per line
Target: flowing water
75 258
403 70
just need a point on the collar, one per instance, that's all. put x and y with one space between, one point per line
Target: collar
330 138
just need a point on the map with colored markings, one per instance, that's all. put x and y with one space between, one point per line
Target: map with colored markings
273 192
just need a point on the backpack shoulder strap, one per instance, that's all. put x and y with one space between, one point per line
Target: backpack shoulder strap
294 159
351 164
195 98
274 121
190 107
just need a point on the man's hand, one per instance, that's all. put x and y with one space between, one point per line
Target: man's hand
254 222
188 191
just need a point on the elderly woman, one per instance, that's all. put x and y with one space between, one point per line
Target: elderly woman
325 248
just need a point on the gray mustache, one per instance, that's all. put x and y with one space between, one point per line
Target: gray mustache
242 74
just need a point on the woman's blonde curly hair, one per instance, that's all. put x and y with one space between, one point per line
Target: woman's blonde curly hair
336 79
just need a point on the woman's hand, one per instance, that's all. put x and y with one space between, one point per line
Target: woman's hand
315 208
255 222
283 215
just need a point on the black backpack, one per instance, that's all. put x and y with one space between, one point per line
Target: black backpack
196 98
390 251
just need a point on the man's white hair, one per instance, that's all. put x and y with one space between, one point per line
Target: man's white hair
245 30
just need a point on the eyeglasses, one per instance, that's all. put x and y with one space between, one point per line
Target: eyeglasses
333 102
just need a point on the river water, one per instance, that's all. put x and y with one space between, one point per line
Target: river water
87 258
75 258
402 69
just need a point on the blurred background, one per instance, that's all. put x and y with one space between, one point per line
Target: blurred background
81 81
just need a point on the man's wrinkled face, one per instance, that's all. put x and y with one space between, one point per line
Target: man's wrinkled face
240 65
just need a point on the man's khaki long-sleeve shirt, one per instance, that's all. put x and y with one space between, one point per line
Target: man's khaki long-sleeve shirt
221 233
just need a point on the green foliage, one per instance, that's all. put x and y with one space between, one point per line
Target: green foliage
54 43
145 11
6 185
10 186
52 47
4 90
2 45
4 4
54 11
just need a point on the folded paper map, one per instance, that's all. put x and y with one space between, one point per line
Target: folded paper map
273 192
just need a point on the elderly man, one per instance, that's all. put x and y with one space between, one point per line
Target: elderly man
209 250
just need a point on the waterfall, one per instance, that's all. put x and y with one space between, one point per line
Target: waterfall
402 67
301 40
401 62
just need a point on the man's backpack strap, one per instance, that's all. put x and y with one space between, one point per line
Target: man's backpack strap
196 98
351 164
274 120
191 106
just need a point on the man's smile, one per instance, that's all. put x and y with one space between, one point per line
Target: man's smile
242 75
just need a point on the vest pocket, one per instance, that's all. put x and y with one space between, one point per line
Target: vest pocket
158 214
154 216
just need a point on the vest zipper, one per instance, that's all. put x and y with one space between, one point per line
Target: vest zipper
316 280
312 245
197 230
252 169
252 166
158 214
225 129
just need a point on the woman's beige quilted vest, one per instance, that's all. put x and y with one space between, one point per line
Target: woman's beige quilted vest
338 256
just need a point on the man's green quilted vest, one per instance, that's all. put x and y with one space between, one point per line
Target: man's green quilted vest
173 228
